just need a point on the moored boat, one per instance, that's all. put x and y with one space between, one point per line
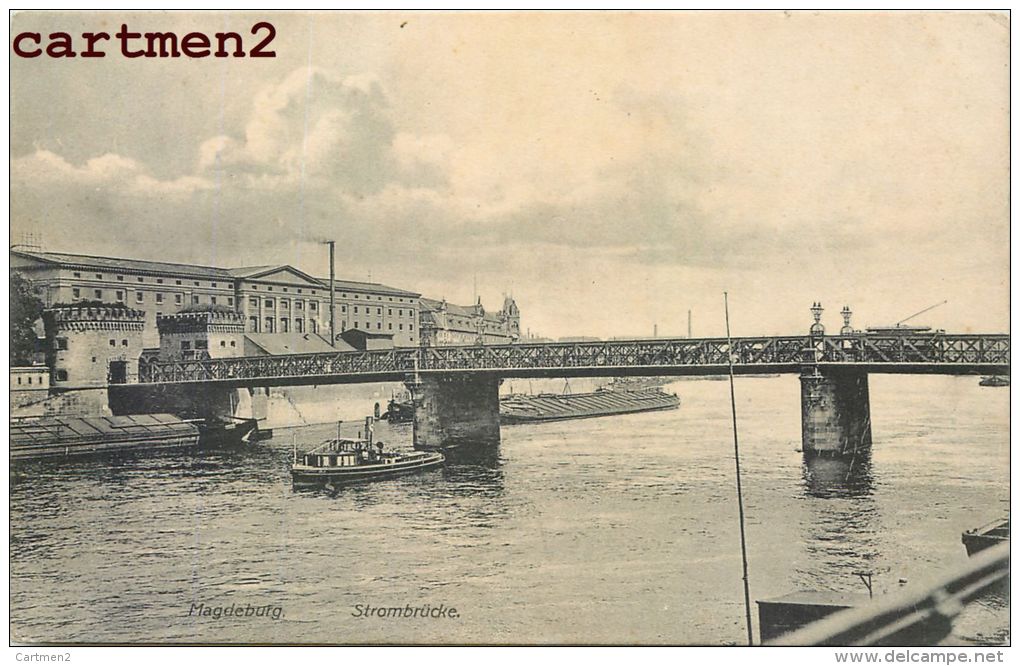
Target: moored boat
399 410
994 380
558 407
638 383
342 461
986 536
67 436
226 431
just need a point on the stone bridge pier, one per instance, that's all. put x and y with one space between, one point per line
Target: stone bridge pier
201 401
456 411
835 412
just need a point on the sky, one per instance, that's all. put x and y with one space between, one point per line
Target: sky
611 170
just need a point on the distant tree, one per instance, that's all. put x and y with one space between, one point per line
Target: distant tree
26 308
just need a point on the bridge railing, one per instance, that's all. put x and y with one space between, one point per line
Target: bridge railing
289 365
619 353
712 353
923 348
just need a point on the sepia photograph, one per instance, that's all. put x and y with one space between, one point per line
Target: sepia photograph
510 328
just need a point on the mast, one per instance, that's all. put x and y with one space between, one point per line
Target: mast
736 461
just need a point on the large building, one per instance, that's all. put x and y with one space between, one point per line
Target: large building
445 324
271 299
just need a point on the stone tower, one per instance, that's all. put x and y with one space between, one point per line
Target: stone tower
93 345
200 334
513 317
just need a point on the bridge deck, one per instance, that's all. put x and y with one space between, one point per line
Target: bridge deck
929 353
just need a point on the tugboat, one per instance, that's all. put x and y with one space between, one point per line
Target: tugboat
342 461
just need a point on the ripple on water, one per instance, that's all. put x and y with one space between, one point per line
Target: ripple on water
601 530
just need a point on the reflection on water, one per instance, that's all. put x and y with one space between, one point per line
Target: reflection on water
840 535
826 476
602 530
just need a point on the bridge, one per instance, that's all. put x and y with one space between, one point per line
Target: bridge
933 353
455 389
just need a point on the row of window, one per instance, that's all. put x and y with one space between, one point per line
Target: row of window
379 298
378 326
270 325
378 311
30 380
285 304
120 278
204 344
140 297
254 287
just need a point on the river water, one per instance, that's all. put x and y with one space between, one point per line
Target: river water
611 530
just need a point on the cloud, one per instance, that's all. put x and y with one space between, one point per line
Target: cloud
44 169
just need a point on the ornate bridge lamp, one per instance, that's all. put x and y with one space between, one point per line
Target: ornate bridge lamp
817 328
848 344
817 331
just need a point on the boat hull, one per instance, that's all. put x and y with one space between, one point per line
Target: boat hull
399 412
308 476
986 536
217 433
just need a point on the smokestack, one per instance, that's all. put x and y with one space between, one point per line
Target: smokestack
689 325
655 330
332 292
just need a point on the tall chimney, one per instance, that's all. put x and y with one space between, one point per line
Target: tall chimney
332 292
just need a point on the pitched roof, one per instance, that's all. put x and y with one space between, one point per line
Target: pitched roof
275 344
263 272
248 271
193 270
371 287
459 310
116 263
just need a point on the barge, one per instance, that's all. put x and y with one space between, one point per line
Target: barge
638 383
54 437
519 408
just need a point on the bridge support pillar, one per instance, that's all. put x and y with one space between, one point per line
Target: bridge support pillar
460 411
835 413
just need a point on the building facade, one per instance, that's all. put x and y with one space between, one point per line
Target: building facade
376 308
270 299
444 324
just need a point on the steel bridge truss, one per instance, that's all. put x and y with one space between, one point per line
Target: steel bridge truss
930 352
